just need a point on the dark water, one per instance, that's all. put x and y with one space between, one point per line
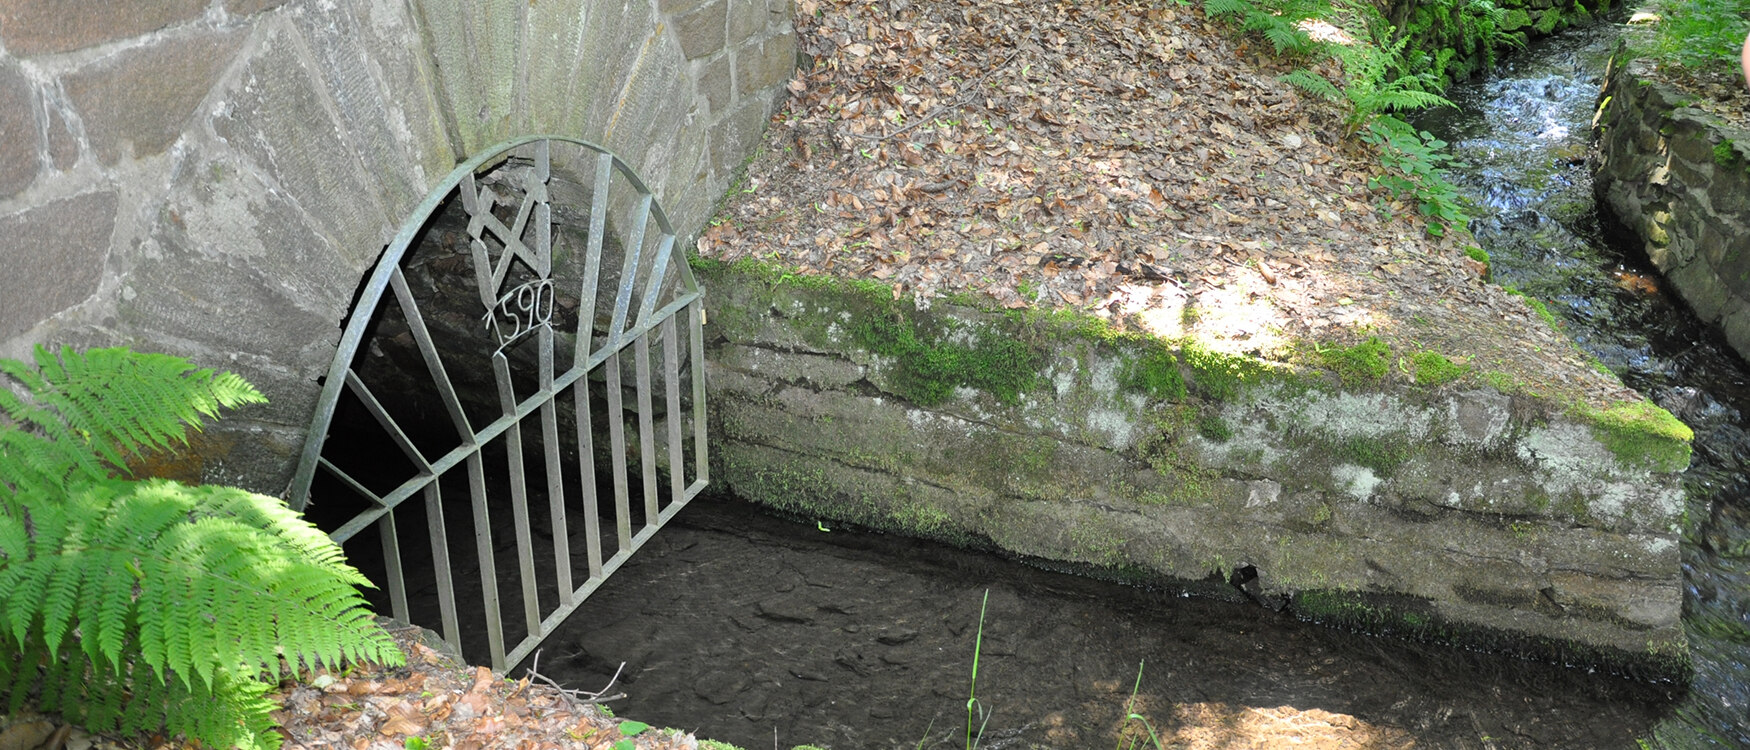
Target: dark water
1524 133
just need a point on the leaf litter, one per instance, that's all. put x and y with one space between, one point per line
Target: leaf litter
1128 158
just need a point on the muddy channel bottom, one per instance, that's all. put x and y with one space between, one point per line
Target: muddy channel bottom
756 630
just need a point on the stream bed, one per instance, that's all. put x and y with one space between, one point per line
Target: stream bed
1524 133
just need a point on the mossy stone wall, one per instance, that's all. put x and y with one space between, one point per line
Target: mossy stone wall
1054 437
1678 180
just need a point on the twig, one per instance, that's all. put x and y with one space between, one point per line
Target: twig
965 96
575 697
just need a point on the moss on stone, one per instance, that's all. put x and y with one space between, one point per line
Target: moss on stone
1536 306
1433 369
1642 435
1362 364
1156 373
1213 427
926 372
1223 377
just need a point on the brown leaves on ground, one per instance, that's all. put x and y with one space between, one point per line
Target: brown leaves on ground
1125 157
445 707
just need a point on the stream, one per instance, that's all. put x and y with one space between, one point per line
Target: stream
1524 132
763 631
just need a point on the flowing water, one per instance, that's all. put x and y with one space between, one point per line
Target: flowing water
767 632
1524 133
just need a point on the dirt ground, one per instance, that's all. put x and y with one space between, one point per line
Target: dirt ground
1131 159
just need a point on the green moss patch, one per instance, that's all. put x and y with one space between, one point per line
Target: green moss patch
1433 369
1155 373
1223 377
1362 364
1642 435
927 372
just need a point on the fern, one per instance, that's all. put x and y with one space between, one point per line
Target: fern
83 410
140 605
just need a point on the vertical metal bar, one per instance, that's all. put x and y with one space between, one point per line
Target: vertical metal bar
519 494
617 439
592 264
696 324
433 363
646 432
629 269
483 550
671 381
440 562
555 467
397 583
543 211
592 519
653 285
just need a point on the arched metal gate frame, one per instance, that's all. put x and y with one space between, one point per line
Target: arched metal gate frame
520 316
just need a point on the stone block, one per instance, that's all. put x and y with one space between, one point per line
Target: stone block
612 54
1737 328
780 11
19 160
40 27
274 114
63 145
368 62
474 43
559 73
766 64
137 102
675 7
746 18
736 135
1700 288
54 257
717 83
702 31
247 7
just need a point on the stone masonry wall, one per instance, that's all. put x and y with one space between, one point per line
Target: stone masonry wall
1679 181
213 178
1430 510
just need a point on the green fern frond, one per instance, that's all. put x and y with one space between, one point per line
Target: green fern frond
147 605
227 580
1313 83
1217 8
114 402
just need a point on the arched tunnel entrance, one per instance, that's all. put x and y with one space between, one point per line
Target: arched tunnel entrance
518 396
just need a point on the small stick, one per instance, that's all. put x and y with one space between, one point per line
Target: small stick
577 697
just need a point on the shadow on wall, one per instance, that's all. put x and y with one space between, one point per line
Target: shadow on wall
212 178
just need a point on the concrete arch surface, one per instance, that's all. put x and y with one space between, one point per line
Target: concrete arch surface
214 178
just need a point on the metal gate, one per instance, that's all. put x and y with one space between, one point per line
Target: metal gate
512 217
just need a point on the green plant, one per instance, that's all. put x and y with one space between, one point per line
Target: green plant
1130 713
1365 362
630 729
1278 20
972 691
1434 369
1414 161
146 605
1701 34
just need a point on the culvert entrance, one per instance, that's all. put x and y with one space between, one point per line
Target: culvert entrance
529 345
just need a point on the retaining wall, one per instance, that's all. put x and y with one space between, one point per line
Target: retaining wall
1678 180
213 178
1446 511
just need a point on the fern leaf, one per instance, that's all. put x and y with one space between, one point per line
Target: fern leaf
1313 83
1217 8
